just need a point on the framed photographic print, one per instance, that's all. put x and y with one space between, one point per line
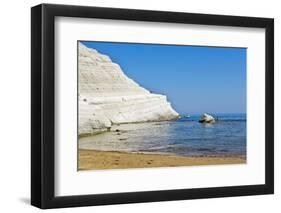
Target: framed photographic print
139 106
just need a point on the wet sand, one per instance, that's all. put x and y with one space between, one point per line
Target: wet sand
97 160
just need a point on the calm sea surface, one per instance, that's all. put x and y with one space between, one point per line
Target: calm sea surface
184 137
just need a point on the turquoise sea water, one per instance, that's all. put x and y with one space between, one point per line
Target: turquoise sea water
184 137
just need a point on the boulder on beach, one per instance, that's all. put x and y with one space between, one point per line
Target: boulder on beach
206 118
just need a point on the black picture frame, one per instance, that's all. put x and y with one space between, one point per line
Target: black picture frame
43 105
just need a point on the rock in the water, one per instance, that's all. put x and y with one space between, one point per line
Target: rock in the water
206 118
107 96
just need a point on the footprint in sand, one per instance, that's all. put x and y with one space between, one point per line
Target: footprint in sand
149 162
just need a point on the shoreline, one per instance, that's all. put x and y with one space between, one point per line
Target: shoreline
115 126
101 160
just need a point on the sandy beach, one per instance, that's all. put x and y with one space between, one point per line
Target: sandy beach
95 160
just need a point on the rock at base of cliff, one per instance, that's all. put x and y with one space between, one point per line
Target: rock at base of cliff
206 118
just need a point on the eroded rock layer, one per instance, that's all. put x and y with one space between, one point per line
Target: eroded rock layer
107 96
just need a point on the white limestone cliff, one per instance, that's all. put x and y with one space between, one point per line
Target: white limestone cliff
107 96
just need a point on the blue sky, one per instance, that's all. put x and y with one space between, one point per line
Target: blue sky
195 79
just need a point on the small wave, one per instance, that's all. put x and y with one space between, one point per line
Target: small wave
219 120
232 120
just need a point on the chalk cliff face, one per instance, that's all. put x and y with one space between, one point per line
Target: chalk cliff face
107 96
